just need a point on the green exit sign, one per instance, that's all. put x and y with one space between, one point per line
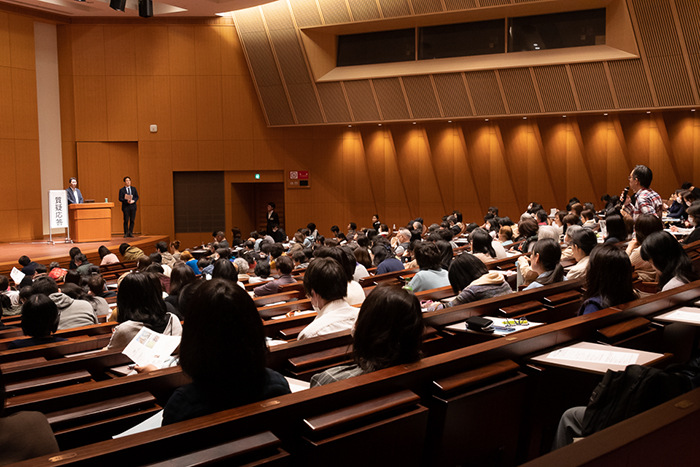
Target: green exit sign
257 176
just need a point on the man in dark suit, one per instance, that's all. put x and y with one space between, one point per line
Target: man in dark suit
128 197
272 217
73 192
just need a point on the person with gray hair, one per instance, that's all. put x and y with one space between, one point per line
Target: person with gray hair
403 239
242 267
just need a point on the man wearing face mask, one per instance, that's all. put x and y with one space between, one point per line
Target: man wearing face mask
326 285
693 216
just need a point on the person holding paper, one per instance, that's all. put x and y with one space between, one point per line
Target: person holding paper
73 193
223 350
128 197
140 303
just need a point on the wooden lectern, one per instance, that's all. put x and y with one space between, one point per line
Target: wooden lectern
91 222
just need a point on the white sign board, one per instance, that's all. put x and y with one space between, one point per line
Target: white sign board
58 209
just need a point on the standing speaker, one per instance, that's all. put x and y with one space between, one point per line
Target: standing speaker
145 8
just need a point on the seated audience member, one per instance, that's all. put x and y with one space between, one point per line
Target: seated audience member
73 313
363 259
446 254
482 246
505 235
225 269
140 303
223 351
262 273
542 217
615 227
545 261
608 280
472 281
388 332
181 276
384 260
97 287
167 259
588 218
677 209
130 253
431 275
72 277
98 304
175 249
189 260
73 253
670 260
23 435
325 283
355 294
242 267
56 272
401 241
285 267
693 218
157 270
220 238
83 264
106 256
157 258
28 266
645 225
299 259
568 253
39 322
527 229
5 290
583 242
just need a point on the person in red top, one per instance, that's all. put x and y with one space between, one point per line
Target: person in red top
647 201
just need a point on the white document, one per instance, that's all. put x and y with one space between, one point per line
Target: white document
151 348
17 276
594 356
151 423
684 314
296 385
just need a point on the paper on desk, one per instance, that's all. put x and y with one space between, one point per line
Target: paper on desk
296 385
296 313
596 356
275 303
151 348
17 275
151 423
685 314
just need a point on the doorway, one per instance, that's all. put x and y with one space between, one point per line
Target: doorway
249 205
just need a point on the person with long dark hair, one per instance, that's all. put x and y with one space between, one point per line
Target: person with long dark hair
608 279
223 350
140 303
615 227
181 276
545 261
670 260
388 332
582 244
384 260
39 322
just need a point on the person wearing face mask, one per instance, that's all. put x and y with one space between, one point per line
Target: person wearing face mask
693 216
326 286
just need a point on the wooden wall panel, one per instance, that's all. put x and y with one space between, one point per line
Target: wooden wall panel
90 108
24 107
8 190
7 125
121 108
89 58
209 118
22 42
5 60
120 50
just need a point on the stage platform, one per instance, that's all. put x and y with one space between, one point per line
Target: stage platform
44 253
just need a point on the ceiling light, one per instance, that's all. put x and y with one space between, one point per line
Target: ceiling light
605 115
380 124
486 119
648 111
524 118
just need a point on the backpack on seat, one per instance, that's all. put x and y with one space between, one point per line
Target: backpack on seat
624 394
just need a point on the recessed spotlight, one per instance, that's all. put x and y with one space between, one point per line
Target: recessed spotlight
486 119
349 126
524 118
605 115
564 116
648 111
449 121
692 110
414 123
380 124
